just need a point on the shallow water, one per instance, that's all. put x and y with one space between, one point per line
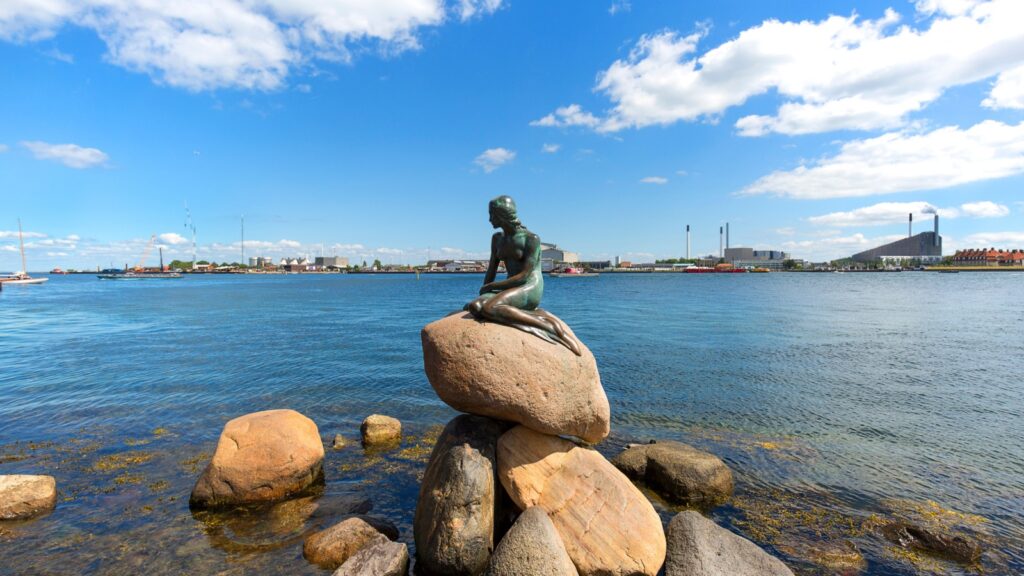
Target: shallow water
839 401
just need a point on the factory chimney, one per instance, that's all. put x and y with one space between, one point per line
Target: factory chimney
687 241
726 235
910 226
721 253
936 229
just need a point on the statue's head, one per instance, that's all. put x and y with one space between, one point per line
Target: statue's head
503 211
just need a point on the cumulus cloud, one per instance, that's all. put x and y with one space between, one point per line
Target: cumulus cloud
494 158
550 148
984 209
1006 240
902 162
842 72
882 214
172 238
654 180
14 234
1008 91
571 115
71 155
472 8
232 43
619 6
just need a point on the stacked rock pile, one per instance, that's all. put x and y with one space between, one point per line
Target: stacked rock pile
507 492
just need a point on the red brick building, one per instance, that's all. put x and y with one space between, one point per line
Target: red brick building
989 257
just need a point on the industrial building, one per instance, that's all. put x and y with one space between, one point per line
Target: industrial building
324 262
924 247
551 257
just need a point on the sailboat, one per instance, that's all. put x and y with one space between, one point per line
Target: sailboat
22 276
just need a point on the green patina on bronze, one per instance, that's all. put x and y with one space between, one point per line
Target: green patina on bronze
514 301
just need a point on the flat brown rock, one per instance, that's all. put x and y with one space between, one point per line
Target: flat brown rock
607 526
498 371
261 457
23 496
332 547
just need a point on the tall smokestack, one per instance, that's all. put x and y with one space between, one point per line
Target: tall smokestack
936 229
687 241
726 235
910 226
721 232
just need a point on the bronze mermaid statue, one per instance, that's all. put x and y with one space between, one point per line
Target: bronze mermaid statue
514 301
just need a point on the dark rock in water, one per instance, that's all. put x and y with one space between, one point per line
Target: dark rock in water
455 515
532 547
23 496
916 537
699 547
330 548
261 457
678 472
379 557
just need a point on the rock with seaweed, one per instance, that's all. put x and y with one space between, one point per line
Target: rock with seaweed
332 547
678 472
378 431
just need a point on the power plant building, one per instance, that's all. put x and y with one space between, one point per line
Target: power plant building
925 247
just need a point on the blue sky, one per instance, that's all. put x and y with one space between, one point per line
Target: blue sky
381 129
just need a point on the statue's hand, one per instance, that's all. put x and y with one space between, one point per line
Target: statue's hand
489 287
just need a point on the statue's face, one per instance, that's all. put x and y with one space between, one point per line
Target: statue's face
495 218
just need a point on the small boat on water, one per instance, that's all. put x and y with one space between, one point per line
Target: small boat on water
57 272
21 277
571 272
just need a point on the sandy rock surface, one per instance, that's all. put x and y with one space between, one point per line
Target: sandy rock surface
24 496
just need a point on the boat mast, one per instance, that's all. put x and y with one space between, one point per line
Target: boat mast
21 242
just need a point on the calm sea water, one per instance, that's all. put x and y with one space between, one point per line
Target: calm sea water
840 401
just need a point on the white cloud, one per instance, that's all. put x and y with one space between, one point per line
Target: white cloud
248 44
1008 91
56 54
903 162
659 180
882 214
984 209
1005 240
841 72
571 115
71 155
14 234
682 172
471 8
494 158
172 238
619 6
550 148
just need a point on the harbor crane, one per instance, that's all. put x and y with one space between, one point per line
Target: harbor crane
141 266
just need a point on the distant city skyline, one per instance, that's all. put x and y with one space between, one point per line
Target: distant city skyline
811 128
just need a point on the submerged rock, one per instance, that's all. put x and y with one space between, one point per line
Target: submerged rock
532 547
261 457
498 371
379 557
607 526
912 536
677 471
380 430
455 516
339 442
24 496
332 547
699 547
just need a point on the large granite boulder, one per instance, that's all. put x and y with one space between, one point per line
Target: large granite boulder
532 547
380 430
379 557
23 496
330 548
454 523
261 457
607 526
502 372
699 547
678 472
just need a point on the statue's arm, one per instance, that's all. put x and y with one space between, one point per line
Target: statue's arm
492 266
